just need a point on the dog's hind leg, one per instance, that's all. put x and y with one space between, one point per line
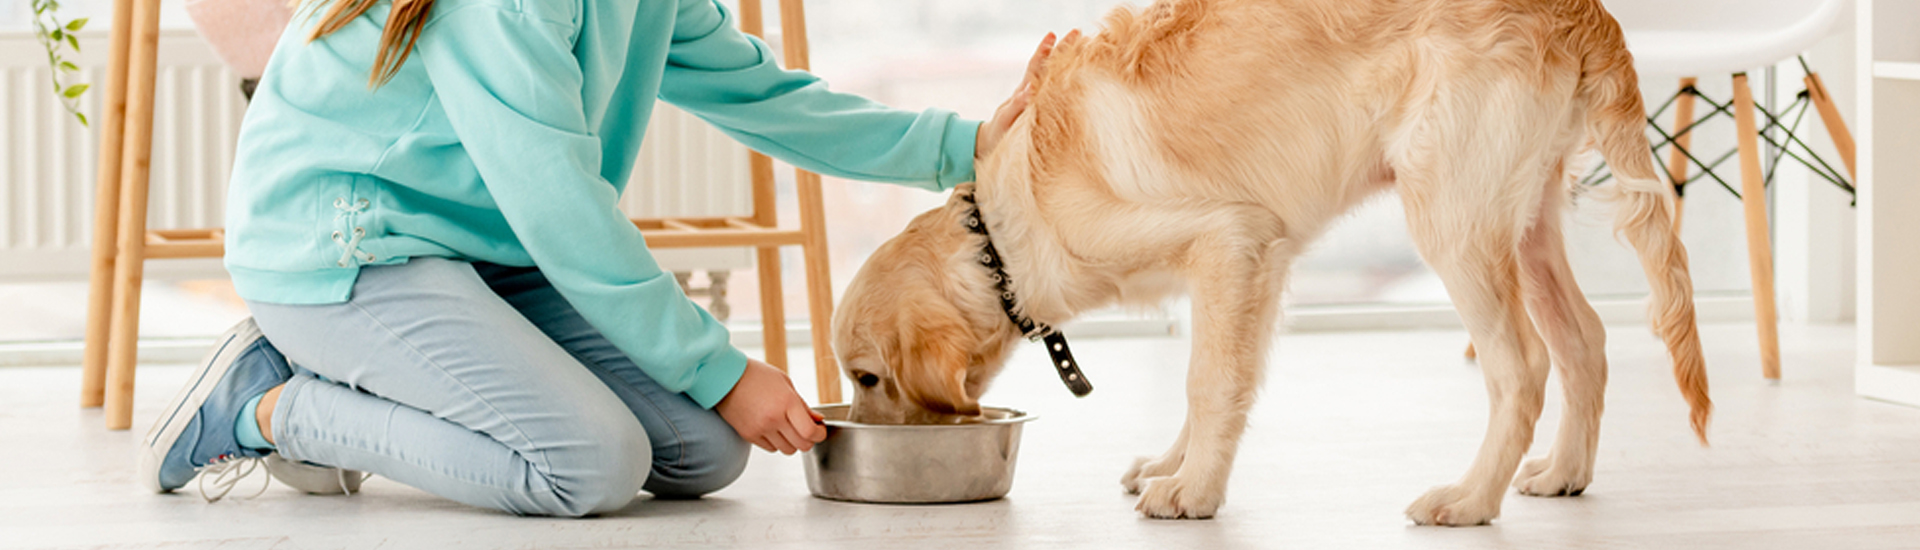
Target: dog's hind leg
1467 216
1474 252
1576 341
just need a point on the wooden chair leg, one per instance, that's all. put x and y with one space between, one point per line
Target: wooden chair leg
1836 126
1677 158
123 343
773 311
106 212
1679 211
813 221
124 336
766 208
1753 195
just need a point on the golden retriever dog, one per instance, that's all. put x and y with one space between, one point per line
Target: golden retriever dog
1199 145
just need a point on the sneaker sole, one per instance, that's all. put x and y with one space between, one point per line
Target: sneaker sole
179 412
312 479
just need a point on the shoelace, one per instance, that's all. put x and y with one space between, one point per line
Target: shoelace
350 248
350 208
342 474
227 471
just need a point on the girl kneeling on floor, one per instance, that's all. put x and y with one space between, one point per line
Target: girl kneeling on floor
422 220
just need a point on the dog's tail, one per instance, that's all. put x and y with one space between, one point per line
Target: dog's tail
1616 125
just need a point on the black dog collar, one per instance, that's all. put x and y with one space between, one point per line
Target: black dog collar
1056 342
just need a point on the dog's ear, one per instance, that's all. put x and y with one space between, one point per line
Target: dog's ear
935 356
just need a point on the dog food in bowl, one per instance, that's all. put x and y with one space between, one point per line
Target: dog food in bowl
915 464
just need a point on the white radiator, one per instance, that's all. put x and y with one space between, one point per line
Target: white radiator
689 169
47 162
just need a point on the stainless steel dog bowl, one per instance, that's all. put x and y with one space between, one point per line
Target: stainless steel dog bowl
915 464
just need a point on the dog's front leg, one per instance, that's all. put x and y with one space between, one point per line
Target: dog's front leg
1236 284
1234 257
1147 468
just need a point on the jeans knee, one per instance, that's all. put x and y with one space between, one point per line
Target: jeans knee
704 466
605 476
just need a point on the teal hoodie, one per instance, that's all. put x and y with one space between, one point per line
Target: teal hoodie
507 137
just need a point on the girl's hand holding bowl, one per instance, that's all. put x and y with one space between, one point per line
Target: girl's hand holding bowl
766 411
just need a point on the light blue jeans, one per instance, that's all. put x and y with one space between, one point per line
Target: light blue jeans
481 384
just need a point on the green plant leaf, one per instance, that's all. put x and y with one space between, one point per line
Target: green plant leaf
75 42
75 90
58 35
76 24
68 66
83 118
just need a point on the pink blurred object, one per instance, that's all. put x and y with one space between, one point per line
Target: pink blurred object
242 32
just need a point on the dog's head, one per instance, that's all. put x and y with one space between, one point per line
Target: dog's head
920 332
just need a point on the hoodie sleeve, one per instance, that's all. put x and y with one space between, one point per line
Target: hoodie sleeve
730 79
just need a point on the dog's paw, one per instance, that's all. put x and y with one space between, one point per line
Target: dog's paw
1144 469
1452 506
1544 477
1177 497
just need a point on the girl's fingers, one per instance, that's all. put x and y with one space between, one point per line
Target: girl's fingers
761 442
788 440
806 429
800 430
780 441
1039 58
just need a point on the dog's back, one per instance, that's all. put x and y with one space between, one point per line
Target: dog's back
1212 88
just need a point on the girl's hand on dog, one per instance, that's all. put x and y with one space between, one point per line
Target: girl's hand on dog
765 410
993 130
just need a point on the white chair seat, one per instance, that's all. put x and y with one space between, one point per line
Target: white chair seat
1706 37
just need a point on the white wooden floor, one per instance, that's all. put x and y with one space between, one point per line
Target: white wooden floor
1351 428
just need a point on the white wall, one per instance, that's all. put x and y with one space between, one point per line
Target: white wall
1814 222
1890 305
1889 266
